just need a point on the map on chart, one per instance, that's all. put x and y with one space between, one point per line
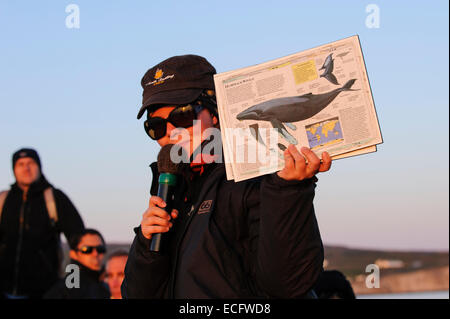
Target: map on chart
324 133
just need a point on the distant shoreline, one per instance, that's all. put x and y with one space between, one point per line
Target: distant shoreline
425 280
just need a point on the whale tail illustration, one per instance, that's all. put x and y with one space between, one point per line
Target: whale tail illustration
347 86
330 77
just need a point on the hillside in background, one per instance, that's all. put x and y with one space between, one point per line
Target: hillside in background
353 262
400 271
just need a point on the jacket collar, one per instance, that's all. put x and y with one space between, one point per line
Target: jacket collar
87 272
36 188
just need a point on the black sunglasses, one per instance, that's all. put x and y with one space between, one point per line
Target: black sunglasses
181 116
89 249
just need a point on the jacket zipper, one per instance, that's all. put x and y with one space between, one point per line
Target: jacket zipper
191 215
177 247
19 245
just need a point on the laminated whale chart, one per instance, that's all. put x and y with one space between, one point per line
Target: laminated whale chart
319 98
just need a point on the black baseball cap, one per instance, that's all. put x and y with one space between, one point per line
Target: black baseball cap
176 80
26 152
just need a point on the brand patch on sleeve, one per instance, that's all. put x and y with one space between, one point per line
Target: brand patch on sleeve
205 207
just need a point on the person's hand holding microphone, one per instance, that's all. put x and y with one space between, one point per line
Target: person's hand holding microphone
157 218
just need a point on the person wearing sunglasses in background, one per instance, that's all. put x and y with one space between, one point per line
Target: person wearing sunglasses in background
84 281
258 238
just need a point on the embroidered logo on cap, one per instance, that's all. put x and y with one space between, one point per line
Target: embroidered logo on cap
205 207
159 79
159 73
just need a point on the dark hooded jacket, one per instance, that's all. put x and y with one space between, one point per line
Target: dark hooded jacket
257 238
30 252
90 285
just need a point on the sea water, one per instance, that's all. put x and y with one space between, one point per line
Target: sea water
410 295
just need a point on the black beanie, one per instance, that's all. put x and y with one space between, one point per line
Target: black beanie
26 152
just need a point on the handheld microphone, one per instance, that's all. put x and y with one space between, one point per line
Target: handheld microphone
166 186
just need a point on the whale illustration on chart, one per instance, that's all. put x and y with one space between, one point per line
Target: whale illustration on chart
284 111
328 66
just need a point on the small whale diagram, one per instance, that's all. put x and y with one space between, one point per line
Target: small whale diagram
286 110
328 66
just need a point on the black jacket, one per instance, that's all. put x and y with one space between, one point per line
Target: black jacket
255 238
90 286
333 284
30 253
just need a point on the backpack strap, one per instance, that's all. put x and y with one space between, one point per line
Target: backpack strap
49 202
3 196
51 206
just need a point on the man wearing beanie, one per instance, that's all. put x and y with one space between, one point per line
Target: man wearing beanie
258 238
32 216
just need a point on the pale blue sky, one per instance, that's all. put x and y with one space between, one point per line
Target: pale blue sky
73 94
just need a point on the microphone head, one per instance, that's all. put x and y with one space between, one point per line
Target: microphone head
165 164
